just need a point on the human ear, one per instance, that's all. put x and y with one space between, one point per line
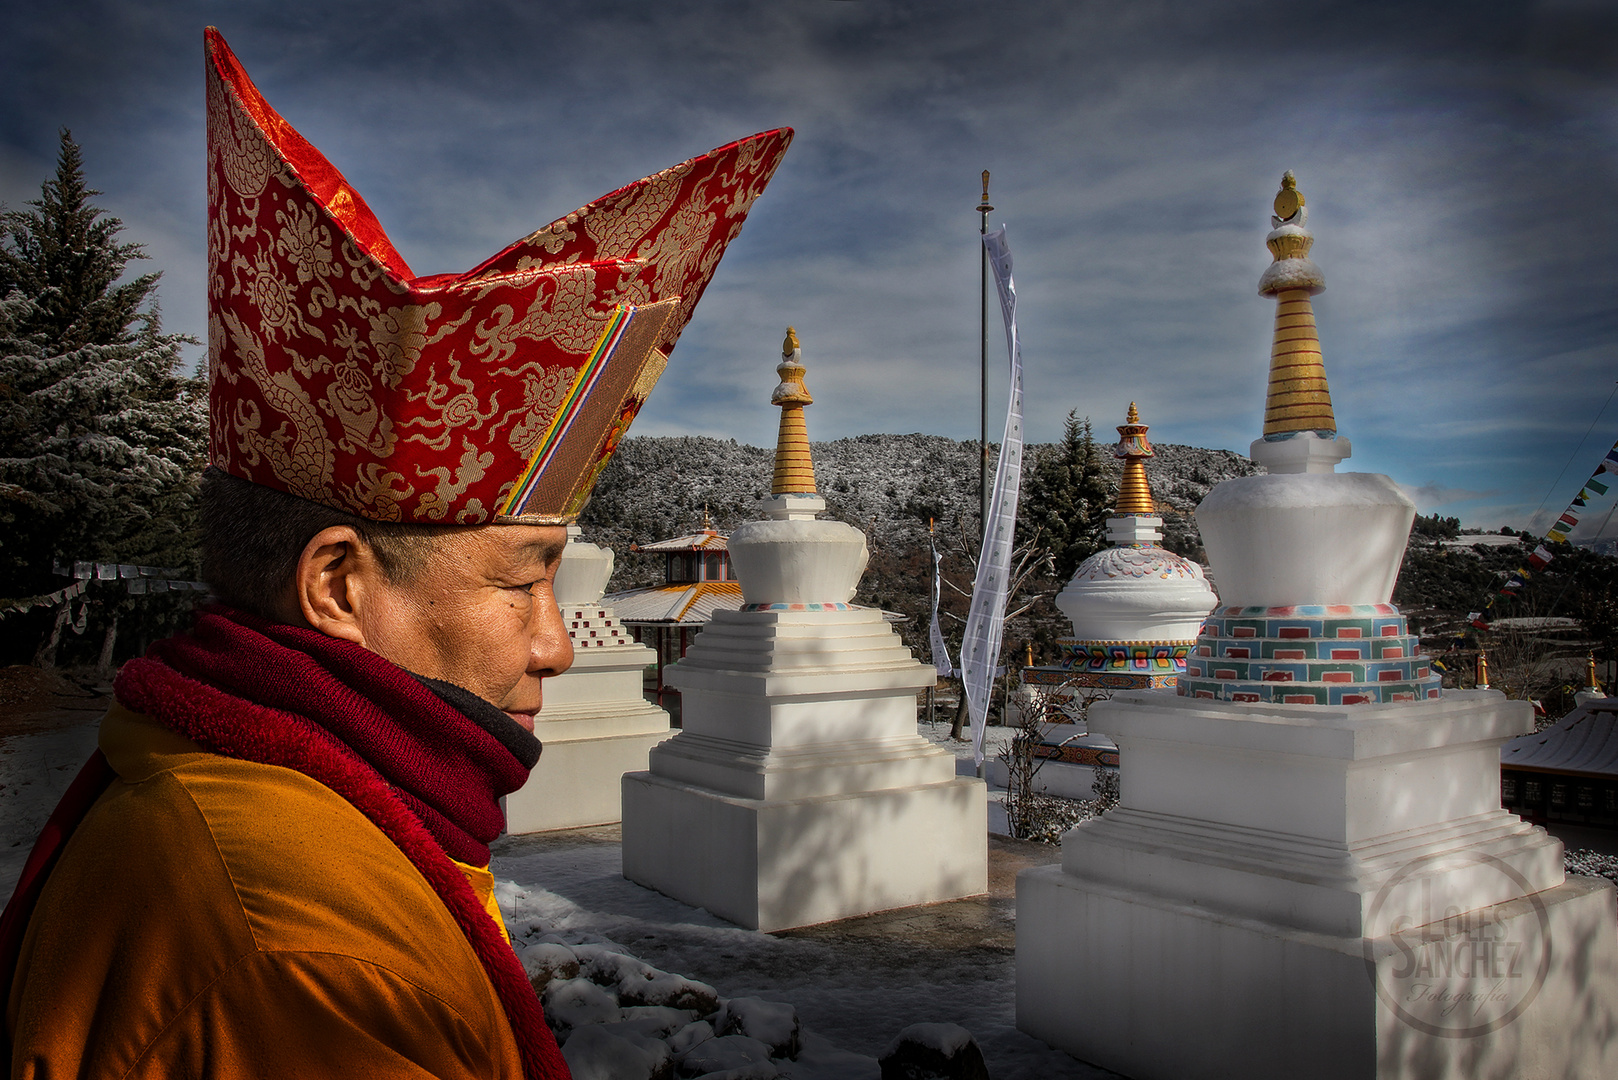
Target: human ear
336 576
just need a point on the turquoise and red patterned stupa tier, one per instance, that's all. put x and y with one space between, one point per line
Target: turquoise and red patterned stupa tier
1336 654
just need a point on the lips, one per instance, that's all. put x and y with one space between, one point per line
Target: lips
524 719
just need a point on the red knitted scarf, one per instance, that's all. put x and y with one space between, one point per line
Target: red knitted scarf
419 769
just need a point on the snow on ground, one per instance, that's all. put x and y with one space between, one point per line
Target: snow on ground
35 770
855 983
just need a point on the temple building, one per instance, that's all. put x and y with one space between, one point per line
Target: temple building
1566 774
697 581
1135 609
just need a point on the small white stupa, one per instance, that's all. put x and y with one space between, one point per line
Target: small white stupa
1135 608
596 724
1309 873
798 790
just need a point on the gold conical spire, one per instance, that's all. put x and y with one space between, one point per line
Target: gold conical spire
794 469
1134 493
1298 399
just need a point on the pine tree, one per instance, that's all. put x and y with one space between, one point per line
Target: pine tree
102 435
1069 496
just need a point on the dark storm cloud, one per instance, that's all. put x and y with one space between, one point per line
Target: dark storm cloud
1458 160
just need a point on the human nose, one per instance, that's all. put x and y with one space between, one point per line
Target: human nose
550 648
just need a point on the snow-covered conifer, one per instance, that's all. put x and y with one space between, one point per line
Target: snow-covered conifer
102 432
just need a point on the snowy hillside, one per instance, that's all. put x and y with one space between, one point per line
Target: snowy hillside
886 485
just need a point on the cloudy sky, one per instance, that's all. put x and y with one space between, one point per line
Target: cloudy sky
1460 162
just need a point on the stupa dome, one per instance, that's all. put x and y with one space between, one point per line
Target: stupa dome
1135 592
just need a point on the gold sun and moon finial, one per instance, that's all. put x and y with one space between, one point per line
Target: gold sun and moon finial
794 468
1134 493
1298 398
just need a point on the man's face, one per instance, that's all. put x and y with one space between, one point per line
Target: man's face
481 614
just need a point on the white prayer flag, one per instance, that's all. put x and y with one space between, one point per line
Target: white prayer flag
936 638
985 620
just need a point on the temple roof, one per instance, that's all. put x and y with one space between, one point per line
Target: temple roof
1585 741
707 540
685 605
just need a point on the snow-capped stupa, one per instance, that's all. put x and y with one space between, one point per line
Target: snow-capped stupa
798 790
1135 607
1309 872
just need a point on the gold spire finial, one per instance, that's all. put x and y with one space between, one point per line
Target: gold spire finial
794 468
983 204
1289 199
1481 679
1134 493
1299 398
1590 682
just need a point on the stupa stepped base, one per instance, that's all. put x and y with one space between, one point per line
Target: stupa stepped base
1159 989
777 864
1310 891
798 790
595 726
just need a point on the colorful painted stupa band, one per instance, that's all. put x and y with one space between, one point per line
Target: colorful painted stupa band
1298 398
1163 657
814 606
1337 654
339 375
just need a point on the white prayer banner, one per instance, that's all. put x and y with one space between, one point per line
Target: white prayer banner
985 619
940 649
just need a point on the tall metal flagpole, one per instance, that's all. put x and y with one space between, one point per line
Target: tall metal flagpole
983 357
983 395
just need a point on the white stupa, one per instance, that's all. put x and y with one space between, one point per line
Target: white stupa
1309 873
596 724
798 790
1135 609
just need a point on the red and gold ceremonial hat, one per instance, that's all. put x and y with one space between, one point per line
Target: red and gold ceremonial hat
497 395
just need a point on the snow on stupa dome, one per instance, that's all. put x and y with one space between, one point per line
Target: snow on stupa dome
1135 591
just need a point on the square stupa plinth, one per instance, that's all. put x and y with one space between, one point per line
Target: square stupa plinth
798 791
596 725
1315 890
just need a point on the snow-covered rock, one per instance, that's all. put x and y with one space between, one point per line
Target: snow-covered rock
595 1053
725 1053
933 1052
774 1023
577 1003
638 983
545 960
690 1035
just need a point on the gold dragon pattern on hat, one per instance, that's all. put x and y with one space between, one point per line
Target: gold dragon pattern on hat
340 376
